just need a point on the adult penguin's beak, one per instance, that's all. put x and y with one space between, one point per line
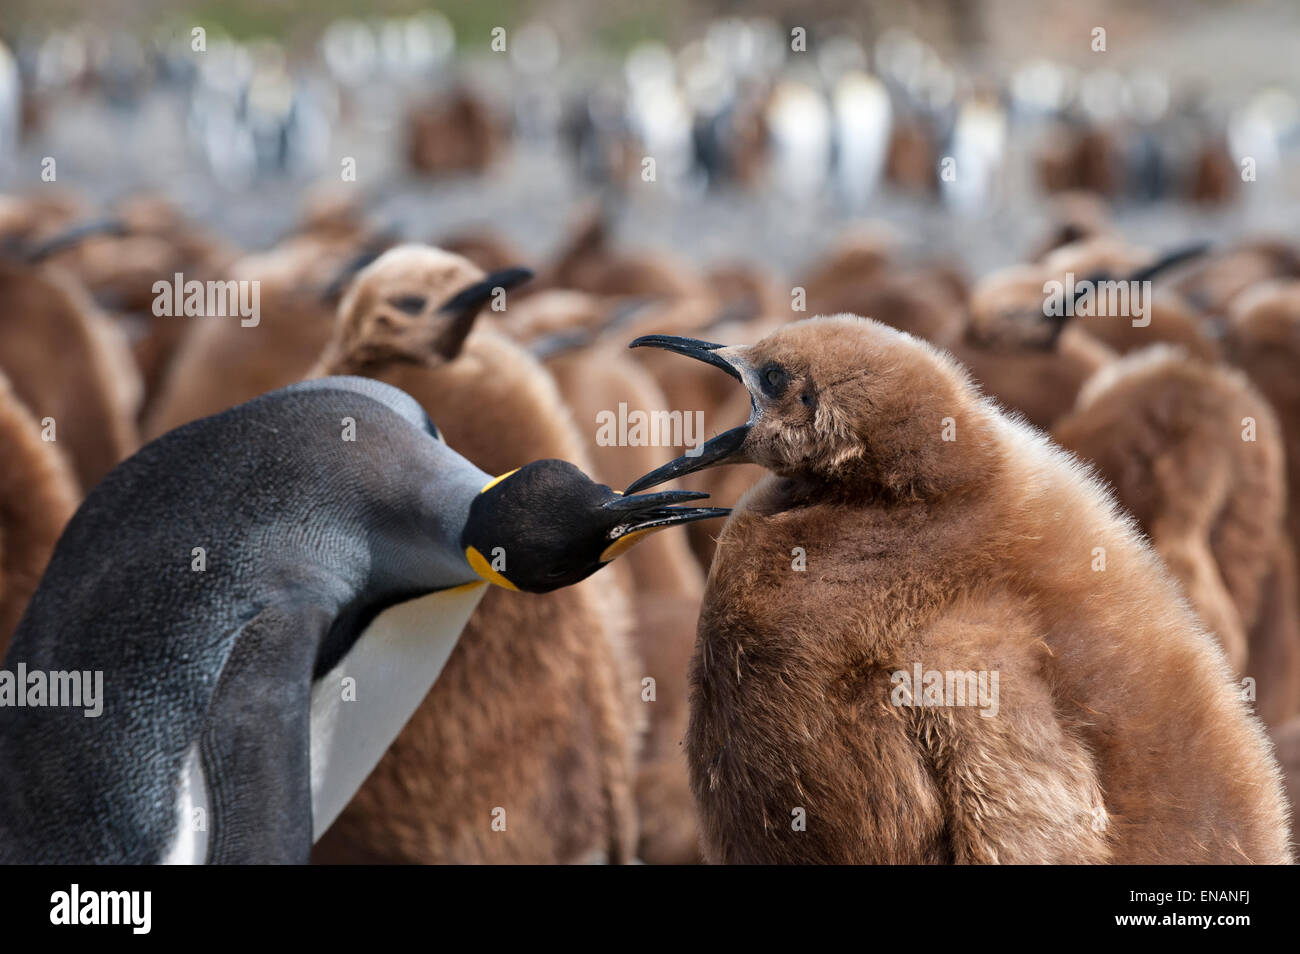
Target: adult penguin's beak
726 446
640 514
551 525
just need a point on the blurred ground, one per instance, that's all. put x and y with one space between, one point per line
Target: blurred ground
105 151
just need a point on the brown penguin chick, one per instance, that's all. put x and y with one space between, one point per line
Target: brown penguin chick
25 220
37 497
1213 284
908 300
1195 454
540 727
1169 319
1274 640
861 275
120 270
1286 744
664 583
1029 363
222 362
686 316
854 258
152 241
877 548
746 289
67 362
588 262
1215 176
120 274
453 132
333 211
555 311
151 214
1074 217
486 249
1263 339
911 162
1080 158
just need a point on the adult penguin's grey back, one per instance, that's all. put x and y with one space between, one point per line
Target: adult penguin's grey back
261 520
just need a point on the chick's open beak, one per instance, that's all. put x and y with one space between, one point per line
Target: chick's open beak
720 449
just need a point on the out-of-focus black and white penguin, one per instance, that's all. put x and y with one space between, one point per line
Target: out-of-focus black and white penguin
232 581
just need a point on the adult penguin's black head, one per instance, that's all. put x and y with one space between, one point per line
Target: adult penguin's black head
548 525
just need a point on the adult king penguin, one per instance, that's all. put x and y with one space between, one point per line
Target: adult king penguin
337 544
909 530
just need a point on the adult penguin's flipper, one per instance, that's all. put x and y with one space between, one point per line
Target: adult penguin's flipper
256 745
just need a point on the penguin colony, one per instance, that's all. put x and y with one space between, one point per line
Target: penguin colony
932 483
978 578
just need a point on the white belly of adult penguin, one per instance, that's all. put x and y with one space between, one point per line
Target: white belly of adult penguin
333 570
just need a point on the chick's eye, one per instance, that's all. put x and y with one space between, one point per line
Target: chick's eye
408 304
774 380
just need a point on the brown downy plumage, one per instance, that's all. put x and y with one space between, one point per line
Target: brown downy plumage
332 211
1074 217
67 361
1077 157
37 497
968 554
1213 284
555 311
1263 339
488 250
1029 363
451 132
119 268
1215 177
860 276
533 710
911 162
909 300
664 584
1195 454
588 262
1286 744
27 219
747 289
1169 319
222 363
856 257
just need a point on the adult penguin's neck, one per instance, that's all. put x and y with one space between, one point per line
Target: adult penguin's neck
407 549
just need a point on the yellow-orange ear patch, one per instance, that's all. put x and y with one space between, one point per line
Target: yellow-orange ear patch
625 542
479 564
496 480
